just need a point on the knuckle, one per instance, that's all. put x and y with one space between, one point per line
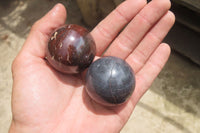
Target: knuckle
104 31
120 13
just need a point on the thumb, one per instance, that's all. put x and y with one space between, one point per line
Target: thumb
37 40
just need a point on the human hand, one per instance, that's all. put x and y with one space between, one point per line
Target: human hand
44 100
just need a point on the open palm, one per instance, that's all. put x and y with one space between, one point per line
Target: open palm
45 100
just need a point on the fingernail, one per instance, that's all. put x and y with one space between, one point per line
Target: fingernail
56 7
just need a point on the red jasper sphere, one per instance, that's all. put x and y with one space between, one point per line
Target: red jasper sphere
71 49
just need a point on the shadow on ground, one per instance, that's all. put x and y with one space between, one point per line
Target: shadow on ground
181 83
19 15
169 120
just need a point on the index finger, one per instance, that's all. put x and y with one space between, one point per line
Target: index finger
109 28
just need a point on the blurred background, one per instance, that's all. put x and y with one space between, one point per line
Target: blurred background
172 104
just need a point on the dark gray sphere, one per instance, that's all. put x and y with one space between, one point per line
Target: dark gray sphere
110 81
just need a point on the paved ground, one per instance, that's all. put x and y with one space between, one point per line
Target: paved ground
171 105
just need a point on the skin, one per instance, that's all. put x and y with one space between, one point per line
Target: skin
46 101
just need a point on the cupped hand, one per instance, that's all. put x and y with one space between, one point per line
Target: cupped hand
46 101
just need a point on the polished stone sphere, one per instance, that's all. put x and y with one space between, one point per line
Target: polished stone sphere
71 49
110 81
